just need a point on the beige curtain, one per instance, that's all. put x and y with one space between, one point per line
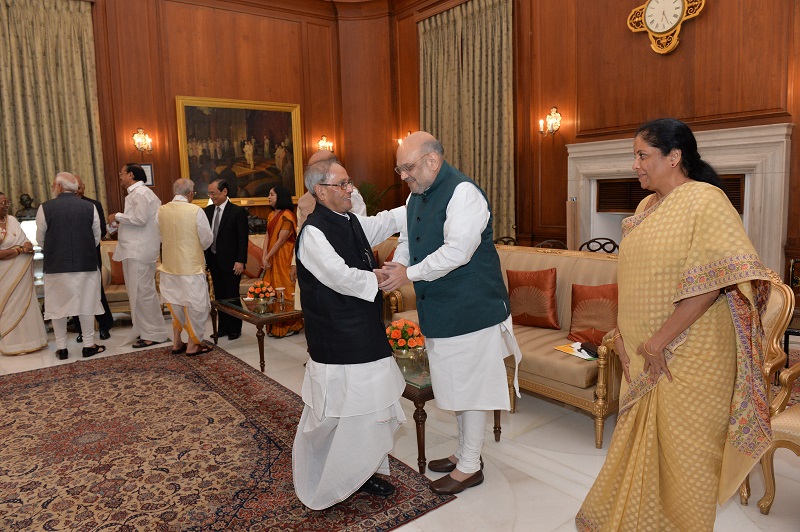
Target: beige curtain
49 118
466 72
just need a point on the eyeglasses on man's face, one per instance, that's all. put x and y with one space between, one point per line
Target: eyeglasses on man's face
344 185
408 166
5 203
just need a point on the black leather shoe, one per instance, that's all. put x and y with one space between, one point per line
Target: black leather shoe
62 354
377 486
79 339
92 351
447 485
234 336
104 335
444 465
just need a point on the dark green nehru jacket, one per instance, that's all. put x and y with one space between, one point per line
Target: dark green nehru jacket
469 298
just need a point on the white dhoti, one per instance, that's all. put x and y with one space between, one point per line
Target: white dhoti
148 321
72 294
347 428
468 372
188 302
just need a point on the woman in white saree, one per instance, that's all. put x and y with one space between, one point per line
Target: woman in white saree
21 324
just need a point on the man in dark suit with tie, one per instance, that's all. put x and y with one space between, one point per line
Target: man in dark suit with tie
105 320
228 253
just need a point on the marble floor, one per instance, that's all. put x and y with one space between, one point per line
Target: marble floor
536 476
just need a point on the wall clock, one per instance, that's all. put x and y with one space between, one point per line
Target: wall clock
662 20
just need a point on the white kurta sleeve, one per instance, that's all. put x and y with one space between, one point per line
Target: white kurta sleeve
319 258
383 225
41 227
96 227
137 210
467 215
357 202
203 229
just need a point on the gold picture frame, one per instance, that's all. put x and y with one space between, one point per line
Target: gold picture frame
213 139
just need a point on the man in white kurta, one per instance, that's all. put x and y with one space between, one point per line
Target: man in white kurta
305 206
352 385
68 230
185 233
137 248
462 302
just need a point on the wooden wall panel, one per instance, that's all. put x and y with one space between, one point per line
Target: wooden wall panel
151 51
731 64
366 84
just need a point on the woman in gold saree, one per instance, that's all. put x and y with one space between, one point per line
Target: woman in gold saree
694 416
21 324
278 253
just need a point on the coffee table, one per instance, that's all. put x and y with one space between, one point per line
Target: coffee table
419 391
276 312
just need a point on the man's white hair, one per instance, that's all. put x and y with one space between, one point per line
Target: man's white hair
67 181
182 187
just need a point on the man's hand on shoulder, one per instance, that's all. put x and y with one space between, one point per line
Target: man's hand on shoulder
395 276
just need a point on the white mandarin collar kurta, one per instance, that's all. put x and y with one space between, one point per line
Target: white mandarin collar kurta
139 237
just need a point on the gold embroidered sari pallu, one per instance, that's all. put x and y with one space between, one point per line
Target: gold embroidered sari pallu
681 446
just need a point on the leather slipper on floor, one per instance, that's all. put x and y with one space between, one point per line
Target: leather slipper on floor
179 350
138 344
203 349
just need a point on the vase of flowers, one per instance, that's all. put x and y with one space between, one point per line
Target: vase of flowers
261 291
403 336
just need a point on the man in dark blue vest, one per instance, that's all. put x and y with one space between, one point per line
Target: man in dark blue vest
462 302
352 385
68 229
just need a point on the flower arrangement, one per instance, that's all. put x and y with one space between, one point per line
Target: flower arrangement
261 289
404 334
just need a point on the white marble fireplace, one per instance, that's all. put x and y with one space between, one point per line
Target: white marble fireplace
761 153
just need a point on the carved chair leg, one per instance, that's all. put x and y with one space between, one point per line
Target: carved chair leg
744 491
513 397
769 481
599 422
497 428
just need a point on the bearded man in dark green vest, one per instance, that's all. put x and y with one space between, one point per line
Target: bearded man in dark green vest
448 252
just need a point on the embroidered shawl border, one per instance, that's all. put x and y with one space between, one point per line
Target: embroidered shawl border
719 274
749 431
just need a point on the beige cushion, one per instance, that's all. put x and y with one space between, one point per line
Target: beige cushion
540 359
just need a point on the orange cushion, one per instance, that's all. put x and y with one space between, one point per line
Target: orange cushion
117 276
533 298
253 267
594 312
390 256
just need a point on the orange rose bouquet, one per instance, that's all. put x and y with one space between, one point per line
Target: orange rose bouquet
404 334
261 289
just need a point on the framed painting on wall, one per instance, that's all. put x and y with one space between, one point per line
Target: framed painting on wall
148 171
255 146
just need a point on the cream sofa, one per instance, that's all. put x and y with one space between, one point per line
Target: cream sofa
589 385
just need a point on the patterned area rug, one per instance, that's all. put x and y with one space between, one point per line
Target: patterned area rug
155 441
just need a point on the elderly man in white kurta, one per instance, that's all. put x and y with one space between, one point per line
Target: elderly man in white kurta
185 233
68 229
137 248
462 302
352 385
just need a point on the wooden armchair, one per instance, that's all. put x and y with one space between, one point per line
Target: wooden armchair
785 422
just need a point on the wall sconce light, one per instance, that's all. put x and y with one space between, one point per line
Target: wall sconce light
553 121
325 144
400 141
142 141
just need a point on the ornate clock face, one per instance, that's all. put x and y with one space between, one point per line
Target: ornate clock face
660 16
